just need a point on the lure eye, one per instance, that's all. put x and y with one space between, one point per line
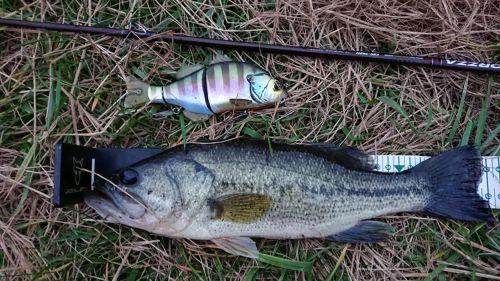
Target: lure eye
129 177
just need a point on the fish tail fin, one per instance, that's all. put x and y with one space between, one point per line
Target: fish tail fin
137 92
454 176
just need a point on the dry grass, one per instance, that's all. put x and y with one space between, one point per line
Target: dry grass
330 101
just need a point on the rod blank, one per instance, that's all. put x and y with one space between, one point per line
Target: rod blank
452 64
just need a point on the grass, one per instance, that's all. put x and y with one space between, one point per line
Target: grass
59 87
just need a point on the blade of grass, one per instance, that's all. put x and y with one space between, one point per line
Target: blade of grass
251 133
182 123
220 268
337 264
481 121
394 105
493 151
429 117
54 100
139 73
251 274
285 263
490 137
58 95
467 132
28 174
458 116
435 272
398 108
50 101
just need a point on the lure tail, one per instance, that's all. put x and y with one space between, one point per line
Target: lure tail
137 93
454 176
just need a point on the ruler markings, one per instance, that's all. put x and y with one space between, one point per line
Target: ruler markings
489 187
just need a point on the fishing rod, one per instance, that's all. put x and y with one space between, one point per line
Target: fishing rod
452 64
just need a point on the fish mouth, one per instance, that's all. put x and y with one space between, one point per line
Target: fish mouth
113 205
104 207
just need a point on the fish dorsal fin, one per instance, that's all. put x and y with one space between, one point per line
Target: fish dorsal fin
348 157
193 116
345 156
240 207
240 246
220 58
240 102
187 70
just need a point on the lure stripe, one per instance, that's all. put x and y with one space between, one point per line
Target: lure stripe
239 76
233 77
163 95
218 83
225 77
194 83
174 89
186 84
205 90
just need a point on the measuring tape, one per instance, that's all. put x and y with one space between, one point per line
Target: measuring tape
489 188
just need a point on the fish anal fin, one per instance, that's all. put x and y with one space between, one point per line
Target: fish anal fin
220 58
196 116
137 92
187 70
240 102
240 207
240 246
364 232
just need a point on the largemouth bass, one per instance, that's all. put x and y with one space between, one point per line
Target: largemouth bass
232 191
222 85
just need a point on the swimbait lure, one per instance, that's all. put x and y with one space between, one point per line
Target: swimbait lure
221 86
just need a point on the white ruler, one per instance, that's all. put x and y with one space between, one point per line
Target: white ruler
489 188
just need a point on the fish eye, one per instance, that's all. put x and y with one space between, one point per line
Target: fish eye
129 177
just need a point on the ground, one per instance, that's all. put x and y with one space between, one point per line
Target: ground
63 87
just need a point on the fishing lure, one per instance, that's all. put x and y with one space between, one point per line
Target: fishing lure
202 91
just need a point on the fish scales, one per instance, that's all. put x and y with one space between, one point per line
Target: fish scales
327 191
230 191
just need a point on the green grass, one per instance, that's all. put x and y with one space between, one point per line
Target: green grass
377 108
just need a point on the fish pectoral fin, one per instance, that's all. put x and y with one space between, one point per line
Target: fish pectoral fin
345 156
240 102
240 246
364 232
240 207
137 92
196 116
220 58
187 70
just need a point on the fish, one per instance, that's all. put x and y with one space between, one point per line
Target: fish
202 91
234 191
